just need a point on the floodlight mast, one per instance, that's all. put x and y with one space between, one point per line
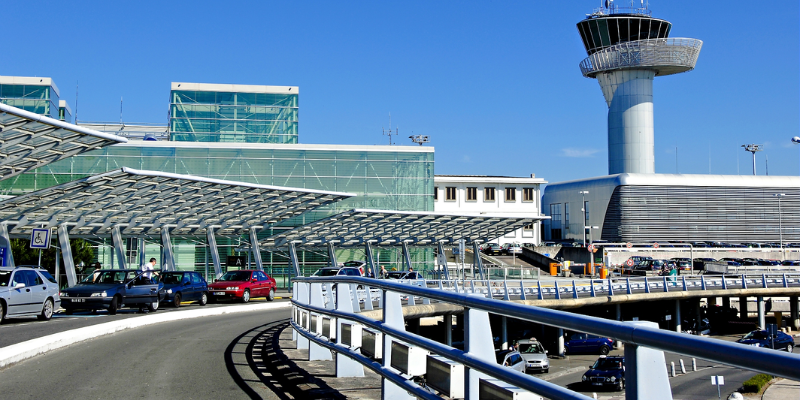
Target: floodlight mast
753 148
420 139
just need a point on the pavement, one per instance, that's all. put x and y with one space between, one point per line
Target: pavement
782 389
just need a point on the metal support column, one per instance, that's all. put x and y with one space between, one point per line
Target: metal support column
504 333
448 329
726 303
645 375
370 261
293 259
332 256
214 251
677 316
476 257
761 317
301 295
743 311
141 248
66 253
168 263
618 307
441 259
119 247
561 350
794 322
407 257
479 344
5 241
255 249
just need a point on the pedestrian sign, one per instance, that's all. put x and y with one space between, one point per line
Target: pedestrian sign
40 239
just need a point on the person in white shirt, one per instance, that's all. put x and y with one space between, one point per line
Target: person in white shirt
149 269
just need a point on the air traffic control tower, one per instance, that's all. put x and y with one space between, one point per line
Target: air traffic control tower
627 48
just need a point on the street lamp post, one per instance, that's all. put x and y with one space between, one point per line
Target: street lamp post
583 208
780 223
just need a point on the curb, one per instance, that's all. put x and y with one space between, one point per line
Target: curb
564 372
22 351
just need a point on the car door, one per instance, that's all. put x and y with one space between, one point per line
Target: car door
577 343
19 298
517 363
187 288
38 290
198 284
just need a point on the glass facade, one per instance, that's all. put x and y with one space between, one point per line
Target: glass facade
208 116
39 99
599 33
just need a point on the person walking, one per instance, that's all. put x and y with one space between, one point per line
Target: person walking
383 272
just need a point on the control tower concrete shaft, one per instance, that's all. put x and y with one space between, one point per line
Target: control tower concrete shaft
627 48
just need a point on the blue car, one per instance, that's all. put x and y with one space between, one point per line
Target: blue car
584 343
764 339
606 372
184 286
111 290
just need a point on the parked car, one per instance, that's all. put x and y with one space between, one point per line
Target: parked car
762 338
26 292
638 259
112 289
337 271
511 359
683 263
699 264
791 263
492 248
584 343
361 265
403 275
534 354
243 285
513 248
184 286
606 372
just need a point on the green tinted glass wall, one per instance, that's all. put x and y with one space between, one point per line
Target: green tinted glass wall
34 98
202 116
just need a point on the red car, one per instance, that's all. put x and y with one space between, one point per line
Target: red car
242 285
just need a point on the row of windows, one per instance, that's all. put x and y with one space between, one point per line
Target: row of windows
528 194
604 32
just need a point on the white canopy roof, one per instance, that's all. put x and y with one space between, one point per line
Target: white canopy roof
29 141
143 202
388 228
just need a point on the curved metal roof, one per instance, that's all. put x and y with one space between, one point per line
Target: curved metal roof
142 202
392 228
29 141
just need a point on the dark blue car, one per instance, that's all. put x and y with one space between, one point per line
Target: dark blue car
764 339
184 286
606 372
584 343
111 290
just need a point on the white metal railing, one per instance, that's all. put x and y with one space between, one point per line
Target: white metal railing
679 53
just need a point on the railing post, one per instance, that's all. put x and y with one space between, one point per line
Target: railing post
724 283
628 283
558 291
764 281
703 282
541 296
591 284
368 300
666 289
785 282
521 290
646 285
301 297
574 290
346 367
315 351
505 289
356 303
392 317
610 288
684 283
645 375
478 343
744 283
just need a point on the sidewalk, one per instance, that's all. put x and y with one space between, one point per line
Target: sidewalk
781 390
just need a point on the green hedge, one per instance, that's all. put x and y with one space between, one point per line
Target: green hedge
754 384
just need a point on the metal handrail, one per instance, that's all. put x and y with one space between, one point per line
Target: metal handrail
747 357
681 53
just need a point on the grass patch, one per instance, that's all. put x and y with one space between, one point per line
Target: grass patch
756 383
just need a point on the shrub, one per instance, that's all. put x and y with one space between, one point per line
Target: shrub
756 383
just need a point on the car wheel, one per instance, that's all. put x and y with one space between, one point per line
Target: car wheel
47 311
204 299
2 312
621 385
153 307
789 347
112 308
246 296
176 301
546 370
604 350
271 295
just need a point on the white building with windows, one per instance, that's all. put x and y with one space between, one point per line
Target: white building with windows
492 195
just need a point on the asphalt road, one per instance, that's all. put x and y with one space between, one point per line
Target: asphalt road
200 358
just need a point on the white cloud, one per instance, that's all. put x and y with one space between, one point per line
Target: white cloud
466 159
578 153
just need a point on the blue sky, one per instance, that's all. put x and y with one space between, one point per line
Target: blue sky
496 85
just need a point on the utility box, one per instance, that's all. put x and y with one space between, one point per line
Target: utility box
372 344
445 376
409 359
351 335
553 269
494 389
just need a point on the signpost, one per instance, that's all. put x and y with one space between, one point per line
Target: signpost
629 245
629 262
718 380
655 245
40 239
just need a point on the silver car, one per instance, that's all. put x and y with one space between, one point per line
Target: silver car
534 354
27 291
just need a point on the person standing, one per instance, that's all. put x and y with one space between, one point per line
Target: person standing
149 269
383 272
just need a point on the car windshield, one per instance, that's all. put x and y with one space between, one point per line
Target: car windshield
171 278
395 275
101 277
235 276
530 348
47 276
4 277
327 272
757 335
606 364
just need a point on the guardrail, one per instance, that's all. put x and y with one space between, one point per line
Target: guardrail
644 344
679 53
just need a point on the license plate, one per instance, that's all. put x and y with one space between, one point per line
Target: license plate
78 300
219 293
596 383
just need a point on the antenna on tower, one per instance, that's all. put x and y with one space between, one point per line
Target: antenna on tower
120 109
76 102
390 132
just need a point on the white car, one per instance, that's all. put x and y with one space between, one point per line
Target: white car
27 291
511 359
